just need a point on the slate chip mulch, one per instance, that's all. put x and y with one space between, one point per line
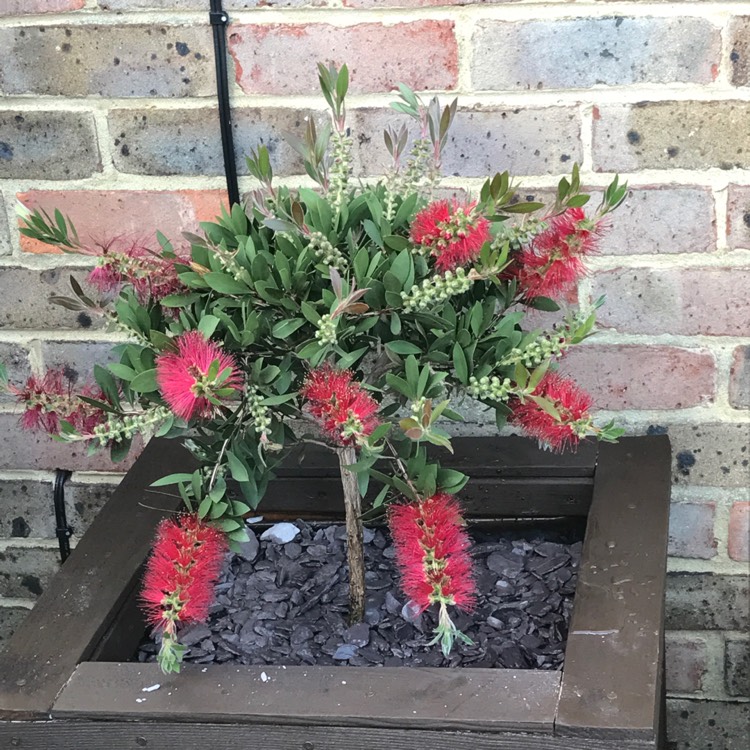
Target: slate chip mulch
286 604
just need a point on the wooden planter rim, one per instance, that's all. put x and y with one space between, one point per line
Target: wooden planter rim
609 693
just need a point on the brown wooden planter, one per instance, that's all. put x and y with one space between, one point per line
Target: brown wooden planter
63 688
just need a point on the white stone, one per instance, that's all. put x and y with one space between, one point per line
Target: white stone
280 533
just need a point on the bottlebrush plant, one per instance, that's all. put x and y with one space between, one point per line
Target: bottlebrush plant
358 315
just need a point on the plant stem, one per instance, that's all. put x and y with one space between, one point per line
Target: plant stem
354 534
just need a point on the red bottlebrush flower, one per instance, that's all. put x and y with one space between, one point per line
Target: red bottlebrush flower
151 275
181 573
452 233
572 405
49 400
432 552
186 384
553 263
345 411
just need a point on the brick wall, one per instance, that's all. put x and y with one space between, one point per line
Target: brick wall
108 113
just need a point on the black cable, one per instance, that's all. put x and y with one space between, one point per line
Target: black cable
219 21
64 530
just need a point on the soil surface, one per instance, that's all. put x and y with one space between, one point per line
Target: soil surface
287 604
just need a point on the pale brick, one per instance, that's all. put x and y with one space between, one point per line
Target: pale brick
642 377
737 665
709 454
661 221
100 215
228 5
671 135
706 601
418 3
25 294
37 450
10 619
739 41
689 301
378 56
188 142
108 60
26 507
583 52
482 142
5 246
47 145
26 571
691 530
739 532
738 216
686 663
707 725
28 7
739 378
15 359
77 358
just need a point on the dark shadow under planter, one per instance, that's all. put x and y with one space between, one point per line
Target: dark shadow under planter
62 685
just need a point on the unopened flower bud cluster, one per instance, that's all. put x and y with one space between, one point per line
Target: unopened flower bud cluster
519 236
326 333
417 407
341 167
490 388
435 290
418 168
231 266
123 428
261 414
326 252
551 344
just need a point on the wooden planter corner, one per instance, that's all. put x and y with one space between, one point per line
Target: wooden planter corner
62 686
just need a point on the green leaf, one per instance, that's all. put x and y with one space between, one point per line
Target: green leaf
460 365
204 507
276 400
207 325
402 347
145 382
394 242
224 284
237 468
285 328
171 479
542 303
118 451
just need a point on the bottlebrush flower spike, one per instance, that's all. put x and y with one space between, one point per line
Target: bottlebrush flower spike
179 582
451 232
553 263
344 410
567 425
151 275
198 377
50 400
432 552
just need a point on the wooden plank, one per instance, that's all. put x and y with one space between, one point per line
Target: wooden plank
612 681
483 497
491 700
164 735
477 456
78 606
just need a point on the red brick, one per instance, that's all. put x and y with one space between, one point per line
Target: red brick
27 7
689 301
378 56
691 530
660 221
36 450
739 532
101 215
739 378
686 662
738 216
642 377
